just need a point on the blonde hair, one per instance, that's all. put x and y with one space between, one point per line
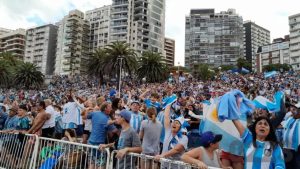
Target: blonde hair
151 112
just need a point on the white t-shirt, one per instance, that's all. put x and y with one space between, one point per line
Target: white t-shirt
51 122
71 113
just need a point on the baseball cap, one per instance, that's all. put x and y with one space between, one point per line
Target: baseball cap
209 137
126 115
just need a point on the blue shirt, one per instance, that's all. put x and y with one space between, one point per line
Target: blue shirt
263 156
153 104
3 117
99 127
11 123
23 123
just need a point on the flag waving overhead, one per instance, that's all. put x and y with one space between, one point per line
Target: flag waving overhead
261 102
270 74
232 105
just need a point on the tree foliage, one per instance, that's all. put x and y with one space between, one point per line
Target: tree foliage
277 67
15 73
152 67
203 72
243 63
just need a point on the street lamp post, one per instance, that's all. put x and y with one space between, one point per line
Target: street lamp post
178 71
120 75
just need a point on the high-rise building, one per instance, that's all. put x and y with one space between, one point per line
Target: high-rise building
41 47
4 30
99 19
170 51
72 52
254 37
294 22
213 38
13 42
141 23
274 53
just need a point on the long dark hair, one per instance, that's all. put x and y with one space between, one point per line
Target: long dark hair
271 137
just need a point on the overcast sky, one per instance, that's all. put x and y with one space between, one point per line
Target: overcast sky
270 14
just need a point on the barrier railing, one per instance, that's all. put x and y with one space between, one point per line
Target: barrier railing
141 161
17 150
61 154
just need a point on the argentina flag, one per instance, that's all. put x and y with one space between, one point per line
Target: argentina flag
261 102
270 74
227 108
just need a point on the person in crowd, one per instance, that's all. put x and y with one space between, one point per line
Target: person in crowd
3 116
129 141
49 126
90 106
72 112
208 155
261 148
12 120
70 135
175 143
136 116
23 121
153 101
291 139
39 120
150 133
100 130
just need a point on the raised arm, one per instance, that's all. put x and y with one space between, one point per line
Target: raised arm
167 123
239 126
142 96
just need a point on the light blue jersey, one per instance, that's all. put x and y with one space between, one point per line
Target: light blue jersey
291 134
136 121
263 156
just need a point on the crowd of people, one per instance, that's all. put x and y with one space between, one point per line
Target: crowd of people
162 120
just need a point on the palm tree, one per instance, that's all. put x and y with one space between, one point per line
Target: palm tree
10 59
152 67
120 52
27 75
5 74
96 65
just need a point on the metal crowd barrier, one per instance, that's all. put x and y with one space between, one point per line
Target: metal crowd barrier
141 161
17 150
59 154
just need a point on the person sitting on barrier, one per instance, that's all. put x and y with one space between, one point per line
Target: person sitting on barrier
175 143
129 141
207 154
150 134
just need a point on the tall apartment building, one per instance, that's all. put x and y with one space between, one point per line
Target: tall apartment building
274 53
213 38
4 30
170 51
294 22
99 19
141 23
254 37
41 47
13 42
72 52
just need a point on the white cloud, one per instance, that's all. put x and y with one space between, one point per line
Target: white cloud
272 15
